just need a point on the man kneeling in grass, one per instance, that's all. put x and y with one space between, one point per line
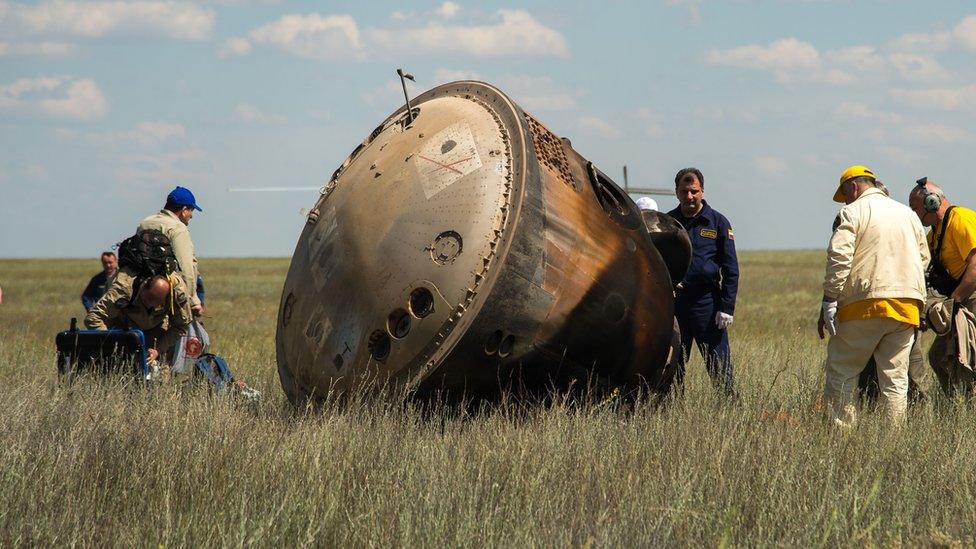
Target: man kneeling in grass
157 305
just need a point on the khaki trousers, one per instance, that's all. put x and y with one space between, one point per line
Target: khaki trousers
890 343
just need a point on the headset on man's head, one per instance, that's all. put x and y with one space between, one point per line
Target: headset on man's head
931 202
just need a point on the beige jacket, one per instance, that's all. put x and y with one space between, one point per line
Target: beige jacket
878 251
121 309
179 237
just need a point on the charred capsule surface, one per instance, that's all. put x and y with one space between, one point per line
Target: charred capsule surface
466 248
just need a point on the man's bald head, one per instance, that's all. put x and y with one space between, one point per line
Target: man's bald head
916 197
154 291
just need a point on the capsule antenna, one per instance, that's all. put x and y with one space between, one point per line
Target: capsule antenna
404 76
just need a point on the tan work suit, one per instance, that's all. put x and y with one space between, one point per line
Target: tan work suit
954 377
179 238
121 309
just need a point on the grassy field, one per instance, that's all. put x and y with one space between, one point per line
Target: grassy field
109 464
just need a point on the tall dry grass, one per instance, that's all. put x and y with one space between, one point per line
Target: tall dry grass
106 463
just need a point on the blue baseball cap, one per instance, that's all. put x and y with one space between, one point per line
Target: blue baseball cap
181 196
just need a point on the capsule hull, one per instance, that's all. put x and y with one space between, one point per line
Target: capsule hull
463 248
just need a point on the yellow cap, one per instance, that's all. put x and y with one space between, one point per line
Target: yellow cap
851 173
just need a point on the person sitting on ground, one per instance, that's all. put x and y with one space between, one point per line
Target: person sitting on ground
99 283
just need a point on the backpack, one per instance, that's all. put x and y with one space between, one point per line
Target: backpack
148 253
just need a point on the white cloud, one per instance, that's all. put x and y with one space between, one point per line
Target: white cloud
533 92
245 112
860 111
39 49
83 100
598 126
233 47
144 134
790 60
56 97
860 59
187 166
781 56
536 93
313 36
29 85
962 36
900 155
918 68
448 10
937 134
338 37
69 19
514 32
961 98
770 166
965 33
443 76
921 42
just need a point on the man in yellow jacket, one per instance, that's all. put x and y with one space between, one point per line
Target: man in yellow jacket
952 242
874 290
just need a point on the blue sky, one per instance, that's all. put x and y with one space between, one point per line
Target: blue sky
105 106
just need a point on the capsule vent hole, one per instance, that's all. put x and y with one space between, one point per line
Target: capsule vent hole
507 345
379 345
421 302
493 341
398 323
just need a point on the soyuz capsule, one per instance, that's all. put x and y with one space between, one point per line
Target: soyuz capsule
464 248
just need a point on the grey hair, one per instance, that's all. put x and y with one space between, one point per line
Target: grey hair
881 186
861 179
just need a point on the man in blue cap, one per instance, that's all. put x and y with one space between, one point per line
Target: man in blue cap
173 220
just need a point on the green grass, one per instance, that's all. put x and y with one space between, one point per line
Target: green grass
110 464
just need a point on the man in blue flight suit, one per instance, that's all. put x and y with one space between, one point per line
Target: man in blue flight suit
705 299
99 283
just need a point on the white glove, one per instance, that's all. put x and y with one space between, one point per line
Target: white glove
828 311
722 320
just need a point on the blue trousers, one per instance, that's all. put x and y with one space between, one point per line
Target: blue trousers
696 319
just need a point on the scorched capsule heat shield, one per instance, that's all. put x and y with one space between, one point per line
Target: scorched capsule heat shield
466 248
